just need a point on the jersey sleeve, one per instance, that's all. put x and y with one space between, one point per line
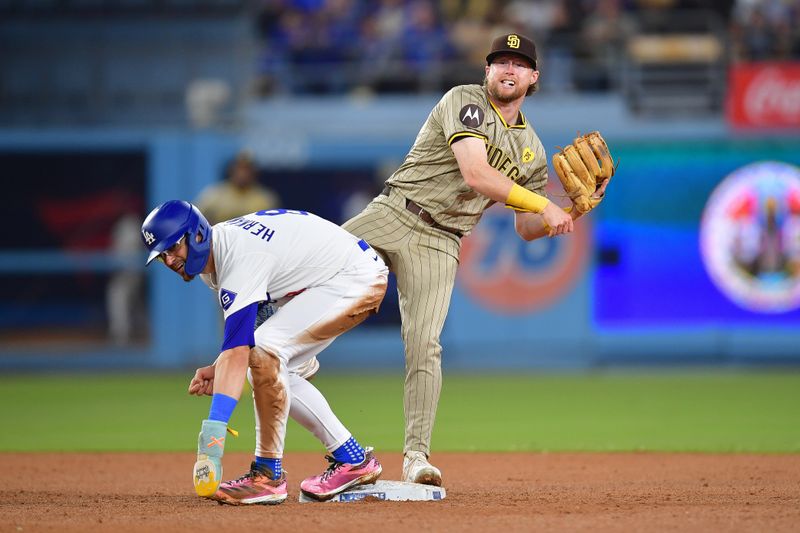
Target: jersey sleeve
240 291
240 327
462 113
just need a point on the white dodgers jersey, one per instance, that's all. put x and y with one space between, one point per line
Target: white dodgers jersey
267 255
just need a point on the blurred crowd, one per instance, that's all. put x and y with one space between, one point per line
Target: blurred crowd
764 30
335 46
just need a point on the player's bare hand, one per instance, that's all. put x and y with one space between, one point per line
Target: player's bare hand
557 220
203 381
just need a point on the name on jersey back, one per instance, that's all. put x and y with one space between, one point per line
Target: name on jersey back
253 227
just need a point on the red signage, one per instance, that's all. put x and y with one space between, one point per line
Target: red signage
764 95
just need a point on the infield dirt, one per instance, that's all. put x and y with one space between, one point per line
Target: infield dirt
506 492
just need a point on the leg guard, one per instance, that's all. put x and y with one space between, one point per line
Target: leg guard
210 448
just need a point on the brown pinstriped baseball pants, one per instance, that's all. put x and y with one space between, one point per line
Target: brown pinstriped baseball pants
424 260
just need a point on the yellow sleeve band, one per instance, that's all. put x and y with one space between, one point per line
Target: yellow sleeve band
522 199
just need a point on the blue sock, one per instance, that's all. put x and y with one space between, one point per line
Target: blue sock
222 407
349 452
272 464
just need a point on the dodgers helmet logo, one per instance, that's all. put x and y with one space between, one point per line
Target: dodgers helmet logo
504 273
750 237
226 298
149 238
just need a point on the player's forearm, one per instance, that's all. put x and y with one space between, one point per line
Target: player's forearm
488 182
470 153
231 370
531 226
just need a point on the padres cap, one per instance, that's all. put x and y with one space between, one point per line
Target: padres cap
513 43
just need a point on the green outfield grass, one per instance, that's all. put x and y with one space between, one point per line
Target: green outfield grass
693 411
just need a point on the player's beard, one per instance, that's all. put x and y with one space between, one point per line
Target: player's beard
494 91
181 271
186 277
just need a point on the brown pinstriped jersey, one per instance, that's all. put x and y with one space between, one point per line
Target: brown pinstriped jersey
430 175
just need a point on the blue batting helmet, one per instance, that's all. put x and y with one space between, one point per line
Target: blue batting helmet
167 223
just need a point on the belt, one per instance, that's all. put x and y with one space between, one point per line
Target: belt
424 215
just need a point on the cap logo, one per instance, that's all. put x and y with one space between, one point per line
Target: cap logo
149 238
512 41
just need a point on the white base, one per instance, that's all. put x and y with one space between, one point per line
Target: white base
400 491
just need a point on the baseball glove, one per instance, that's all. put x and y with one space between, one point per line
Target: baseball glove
582 167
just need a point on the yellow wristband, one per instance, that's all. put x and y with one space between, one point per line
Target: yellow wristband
522 199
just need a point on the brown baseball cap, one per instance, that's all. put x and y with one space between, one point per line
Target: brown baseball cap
513 43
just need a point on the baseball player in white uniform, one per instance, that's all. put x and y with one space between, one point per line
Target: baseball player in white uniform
323 281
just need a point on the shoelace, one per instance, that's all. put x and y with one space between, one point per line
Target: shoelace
244 478
251 474
332 468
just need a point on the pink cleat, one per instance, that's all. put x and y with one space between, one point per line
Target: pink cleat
341 476
256 486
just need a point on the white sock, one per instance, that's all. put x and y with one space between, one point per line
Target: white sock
311 410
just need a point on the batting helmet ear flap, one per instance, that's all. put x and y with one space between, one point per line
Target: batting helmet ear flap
167 223
199 249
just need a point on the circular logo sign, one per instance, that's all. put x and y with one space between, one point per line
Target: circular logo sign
505 273
471 115
750 237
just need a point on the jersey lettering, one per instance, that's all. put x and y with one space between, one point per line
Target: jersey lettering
269 257
499 160
253 227
430 168
267 233
504 165
492 155
238 221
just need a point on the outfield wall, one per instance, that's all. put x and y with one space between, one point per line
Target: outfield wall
628 287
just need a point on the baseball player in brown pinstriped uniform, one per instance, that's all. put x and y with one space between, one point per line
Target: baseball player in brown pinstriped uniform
476 148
